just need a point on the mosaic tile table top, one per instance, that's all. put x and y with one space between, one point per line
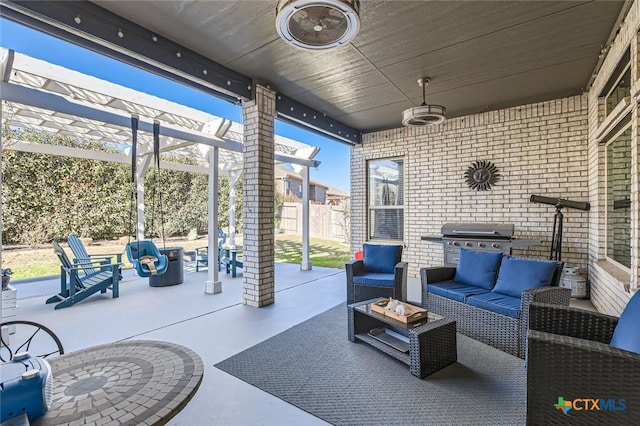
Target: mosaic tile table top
136 382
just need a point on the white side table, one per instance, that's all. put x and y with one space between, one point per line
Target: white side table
10 306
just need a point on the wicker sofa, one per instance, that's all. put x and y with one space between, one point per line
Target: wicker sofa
502 325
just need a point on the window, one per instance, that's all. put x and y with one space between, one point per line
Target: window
617 88
618 166
386 199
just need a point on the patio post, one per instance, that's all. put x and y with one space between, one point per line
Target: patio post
305 264
234 175
213 285
259 154
1 155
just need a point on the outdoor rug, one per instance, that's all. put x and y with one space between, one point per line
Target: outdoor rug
315 367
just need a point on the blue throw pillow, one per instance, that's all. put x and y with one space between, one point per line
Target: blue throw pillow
478 268
626 335
517 275
381 258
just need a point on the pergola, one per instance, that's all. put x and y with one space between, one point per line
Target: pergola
40 96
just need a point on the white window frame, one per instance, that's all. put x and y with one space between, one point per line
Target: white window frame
613 87
608 142
371 208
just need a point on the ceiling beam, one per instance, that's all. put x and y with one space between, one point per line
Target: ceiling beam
294 112
99 31
88 25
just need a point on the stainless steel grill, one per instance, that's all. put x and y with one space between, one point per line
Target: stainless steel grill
477 236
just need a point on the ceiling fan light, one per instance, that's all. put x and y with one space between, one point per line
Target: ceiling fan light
317 24
424 115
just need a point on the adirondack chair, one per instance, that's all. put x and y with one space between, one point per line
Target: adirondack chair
202 253
74 286
81 255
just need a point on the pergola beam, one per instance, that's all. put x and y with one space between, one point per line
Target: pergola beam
37 98
87 154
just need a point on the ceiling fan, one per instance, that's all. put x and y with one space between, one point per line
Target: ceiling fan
424 115
317 24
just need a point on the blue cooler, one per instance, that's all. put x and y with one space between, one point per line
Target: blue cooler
26 387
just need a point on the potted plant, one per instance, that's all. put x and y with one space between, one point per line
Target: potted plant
6 277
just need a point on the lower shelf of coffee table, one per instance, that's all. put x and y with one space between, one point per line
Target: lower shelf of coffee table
390 338
405 357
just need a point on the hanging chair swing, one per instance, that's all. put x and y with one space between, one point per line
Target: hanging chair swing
143 254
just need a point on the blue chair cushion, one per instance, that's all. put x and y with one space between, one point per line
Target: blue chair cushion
496 302
454 290
517 275
378 280
381 258
626 335
478 268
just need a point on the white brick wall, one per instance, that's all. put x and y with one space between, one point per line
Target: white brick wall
539 149
610 285
549 148
608 294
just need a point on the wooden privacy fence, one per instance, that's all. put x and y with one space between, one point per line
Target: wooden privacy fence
325 221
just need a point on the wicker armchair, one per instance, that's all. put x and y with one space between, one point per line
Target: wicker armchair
380 274
569 357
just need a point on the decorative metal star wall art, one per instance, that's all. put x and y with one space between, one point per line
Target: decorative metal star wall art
481 175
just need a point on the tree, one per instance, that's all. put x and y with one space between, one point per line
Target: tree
46 196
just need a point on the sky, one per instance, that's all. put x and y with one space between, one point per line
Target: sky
333 155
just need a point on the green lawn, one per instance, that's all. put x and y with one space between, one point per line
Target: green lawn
331 254
39 262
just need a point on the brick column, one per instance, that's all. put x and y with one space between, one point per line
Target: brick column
258 210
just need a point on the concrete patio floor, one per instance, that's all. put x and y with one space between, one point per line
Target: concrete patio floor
214 326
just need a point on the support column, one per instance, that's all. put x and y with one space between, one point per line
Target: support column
213 285
1 174
305 264
258 209
233 180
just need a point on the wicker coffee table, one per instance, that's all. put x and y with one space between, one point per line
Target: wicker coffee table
426 346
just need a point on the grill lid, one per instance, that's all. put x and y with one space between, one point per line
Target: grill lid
478 230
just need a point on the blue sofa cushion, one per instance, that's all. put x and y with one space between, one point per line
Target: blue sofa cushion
454 290
378 280
478 268
381 258
496 302
626 335
517 275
